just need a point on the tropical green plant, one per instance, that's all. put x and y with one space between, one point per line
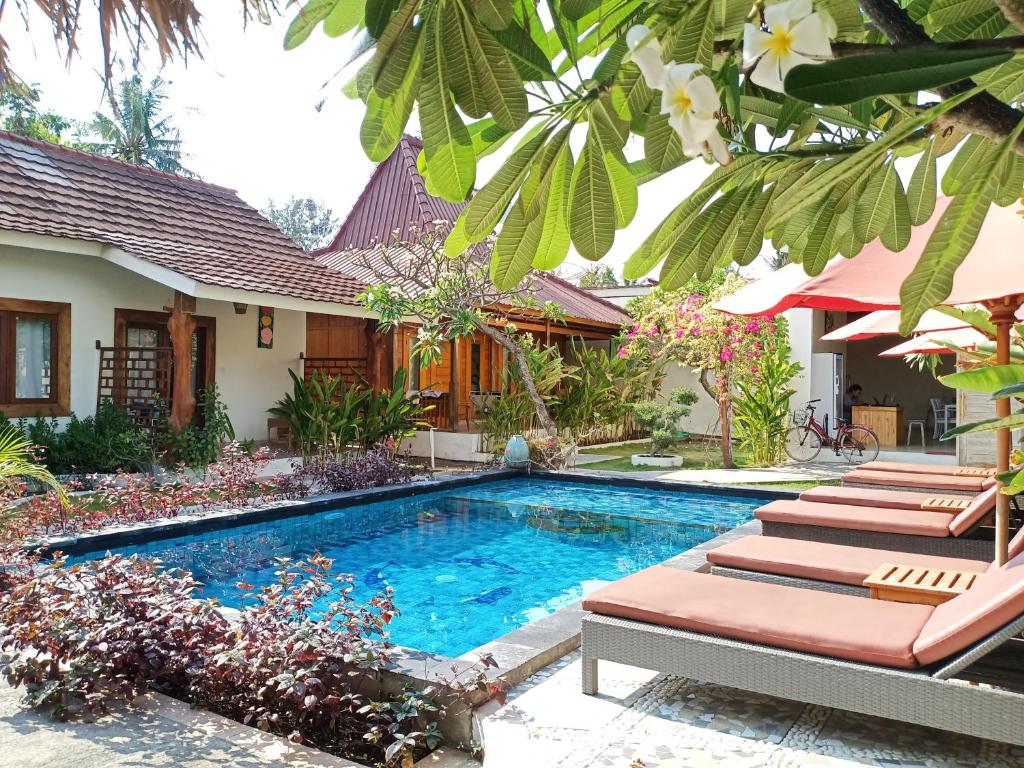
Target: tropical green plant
662 419
136 131
760 410
322 414
389 416
108 441
514 413
199 446
597 397
20 114
17 465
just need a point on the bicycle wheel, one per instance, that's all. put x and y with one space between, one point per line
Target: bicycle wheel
802 443
859 445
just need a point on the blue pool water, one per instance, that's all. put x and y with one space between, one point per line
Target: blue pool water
469 563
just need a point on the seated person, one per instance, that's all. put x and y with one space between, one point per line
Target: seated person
850 399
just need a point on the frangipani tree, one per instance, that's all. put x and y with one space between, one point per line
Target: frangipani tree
724 350
802 108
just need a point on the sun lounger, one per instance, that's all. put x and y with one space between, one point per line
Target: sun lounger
917 481
927 469
883 498
831 567
901 530
886 659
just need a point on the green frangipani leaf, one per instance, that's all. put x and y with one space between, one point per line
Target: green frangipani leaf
896 233
302 26
818 250
527 57
966 163
874 206
577 9
750 232
447 147
502 87
848 79
922 191
515 248
553 245
378 13
1013 421
1013 390
496 14
591 218
386 117
342 18
388 47
943 12
457 241
985 379
461 65
681 262
395 68
485 209
663 148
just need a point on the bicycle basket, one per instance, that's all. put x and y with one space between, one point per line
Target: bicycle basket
800 417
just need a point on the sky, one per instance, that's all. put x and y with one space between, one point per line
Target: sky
271 123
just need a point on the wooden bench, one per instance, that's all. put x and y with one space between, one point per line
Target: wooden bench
917 584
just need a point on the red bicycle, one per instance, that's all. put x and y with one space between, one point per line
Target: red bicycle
857 444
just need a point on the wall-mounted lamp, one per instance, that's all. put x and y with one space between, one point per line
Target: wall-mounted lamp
240 308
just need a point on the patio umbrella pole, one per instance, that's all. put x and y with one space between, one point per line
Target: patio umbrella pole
1003 319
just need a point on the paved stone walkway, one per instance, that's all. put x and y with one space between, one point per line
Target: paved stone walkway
645 720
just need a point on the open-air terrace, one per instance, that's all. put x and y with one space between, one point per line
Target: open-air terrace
460 383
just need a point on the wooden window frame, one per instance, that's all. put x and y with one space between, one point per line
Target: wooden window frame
125 317
59 402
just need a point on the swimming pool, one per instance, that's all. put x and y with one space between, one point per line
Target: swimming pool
471 562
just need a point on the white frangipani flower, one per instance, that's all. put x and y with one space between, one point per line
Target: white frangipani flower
645 51
690 101
796 33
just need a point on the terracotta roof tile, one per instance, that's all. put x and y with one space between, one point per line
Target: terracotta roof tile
396 199
199 230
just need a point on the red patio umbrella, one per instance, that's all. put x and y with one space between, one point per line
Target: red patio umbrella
992 274
886 322
936 343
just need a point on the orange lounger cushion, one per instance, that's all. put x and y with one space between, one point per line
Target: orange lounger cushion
916 480
994 600
866 497
799 512
834 563
840 626
928 469
982 505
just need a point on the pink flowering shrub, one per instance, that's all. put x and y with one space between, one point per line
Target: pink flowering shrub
682 326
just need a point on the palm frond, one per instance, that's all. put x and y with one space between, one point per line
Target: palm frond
16 463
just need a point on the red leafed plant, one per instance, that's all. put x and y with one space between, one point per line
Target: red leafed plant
302 660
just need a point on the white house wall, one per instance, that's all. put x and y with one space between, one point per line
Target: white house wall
250 379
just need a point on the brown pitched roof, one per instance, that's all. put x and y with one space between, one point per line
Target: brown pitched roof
199 230
396 198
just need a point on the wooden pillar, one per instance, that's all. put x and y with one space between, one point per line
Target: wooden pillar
453 385
372 355
1003 318
182 325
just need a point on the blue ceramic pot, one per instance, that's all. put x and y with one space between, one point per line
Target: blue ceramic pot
517 452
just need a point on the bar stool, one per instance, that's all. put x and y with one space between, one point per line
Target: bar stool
919 423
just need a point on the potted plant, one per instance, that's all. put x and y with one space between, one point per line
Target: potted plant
662 420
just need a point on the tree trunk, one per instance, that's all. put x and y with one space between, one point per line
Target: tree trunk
720 394
539 406
183 403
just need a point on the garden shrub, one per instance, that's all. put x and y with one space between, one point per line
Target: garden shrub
662 419
106 442
197 447
325 473
77 637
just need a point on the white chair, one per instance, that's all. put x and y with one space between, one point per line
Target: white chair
944 415
919 423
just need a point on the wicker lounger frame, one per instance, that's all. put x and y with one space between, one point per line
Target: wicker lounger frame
926 697
949 546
